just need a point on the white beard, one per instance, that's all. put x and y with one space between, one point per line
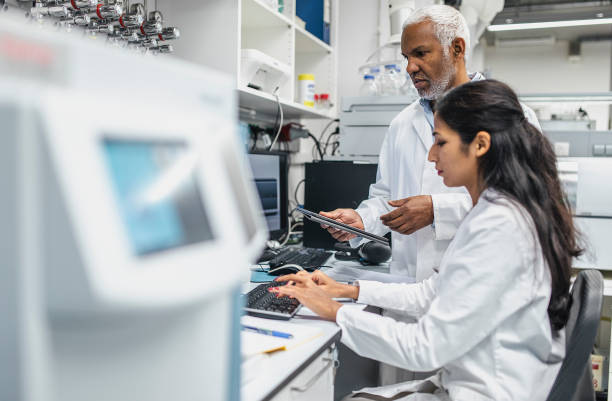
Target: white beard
437 88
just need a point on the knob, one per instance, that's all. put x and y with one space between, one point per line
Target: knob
107 12
131 20
169 34
151 28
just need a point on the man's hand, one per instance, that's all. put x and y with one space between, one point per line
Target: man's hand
412 214
346 216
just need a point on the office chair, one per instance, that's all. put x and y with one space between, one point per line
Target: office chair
574 381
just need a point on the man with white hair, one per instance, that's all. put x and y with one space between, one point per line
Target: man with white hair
409 198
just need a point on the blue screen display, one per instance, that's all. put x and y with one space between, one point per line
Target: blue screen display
157 194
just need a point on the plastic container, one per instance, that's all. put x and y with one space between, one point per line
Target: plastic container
388 81
375 72
408 89
399 77
306 89
368 87
325 104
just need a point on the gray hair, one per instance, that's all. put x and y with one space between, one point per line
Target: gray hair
448 24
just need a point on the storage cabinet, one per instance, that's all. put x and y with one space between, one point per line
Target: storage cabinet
214 32
316 382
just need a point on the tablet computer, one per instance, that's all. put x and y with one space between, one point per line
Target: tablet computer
341 226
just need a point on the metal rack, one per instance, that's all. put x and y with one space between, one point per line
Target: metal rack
121 23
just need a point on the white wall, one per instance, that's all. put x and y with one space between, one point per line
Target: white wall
546 69
357 40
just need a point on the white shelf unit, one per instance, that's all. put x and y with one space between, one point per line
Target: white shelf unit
277 35
213 33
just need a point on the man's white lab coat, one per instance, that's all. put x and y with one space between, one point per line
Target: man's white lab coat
483 319
403 171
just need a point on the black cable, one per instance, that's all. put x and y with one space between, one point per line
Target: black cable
335 120
335 147
327 142
318 144
296 191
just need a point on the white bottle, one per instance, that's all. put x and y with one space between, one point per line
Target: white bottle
368 87
388 81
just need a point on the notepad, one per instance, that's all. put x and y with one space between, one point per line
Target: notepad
256 343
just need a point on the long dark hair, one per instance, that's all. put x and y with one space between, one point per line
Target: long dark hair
521 165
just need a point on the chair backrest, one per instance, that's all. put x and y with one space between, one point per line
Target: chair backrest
574 381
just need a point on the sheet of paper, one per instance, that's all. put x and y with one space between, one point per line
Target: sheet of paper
346 273
256 343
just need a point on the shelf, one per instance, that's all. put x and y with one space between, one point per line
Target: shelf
265 103
306 42
595 97
262 16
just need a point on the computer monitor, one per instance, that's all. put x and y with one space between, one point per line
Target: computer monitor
270 177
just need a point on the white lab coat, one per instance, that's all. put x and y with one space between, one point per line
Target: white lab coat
403 171
483 319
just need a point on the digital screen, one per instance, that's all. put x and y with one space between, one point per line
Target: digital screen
156 188
267 190
266 173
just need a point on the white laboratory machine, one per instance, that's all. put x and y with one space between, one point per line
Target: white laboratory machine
364 121
128 220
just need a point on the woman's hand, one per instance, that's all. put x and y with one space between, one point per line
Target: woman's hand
330 286
309 294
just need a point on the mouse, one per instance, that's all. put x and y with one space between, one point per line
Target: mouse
285 269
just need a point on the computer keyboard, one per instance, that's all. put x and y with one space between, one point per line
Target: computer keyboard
309 258
260 302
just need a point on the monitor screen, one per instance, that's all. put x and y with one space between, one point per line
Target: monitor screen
157 193
270 175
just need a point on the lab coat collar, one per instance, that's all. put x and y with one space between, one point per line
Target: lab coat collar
419 124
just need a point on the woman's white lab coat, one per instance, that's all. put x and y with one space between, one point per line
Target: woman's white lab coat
483 319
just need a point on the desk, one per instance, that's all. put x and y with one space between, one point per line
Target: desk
305 372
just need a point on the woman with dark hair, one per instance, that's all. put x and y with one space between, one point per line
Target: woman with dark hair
491 319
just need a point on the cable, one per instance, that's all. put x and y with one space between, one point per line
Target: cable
296 191
326 127
317 143
280 109
335 146
327 142
324 130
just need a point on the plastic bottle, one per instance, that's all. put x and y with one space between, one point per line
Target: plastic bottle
368 87
306 89
375 72
408 89
388 81
325 104
399 77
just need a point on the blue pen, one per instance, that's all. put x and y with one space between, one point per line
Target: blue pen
267 332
